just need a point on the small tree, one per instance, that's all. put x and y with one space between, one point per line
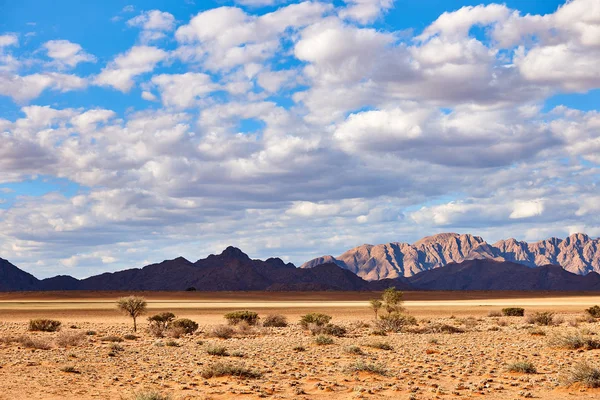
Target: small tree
376 305
392 300
133 306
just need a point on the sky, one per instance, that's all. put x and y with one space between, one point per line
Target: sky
133 132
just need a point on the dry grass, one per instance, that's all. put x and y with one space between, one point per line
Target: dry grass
227 369
361 366
582 373
524 367
67 339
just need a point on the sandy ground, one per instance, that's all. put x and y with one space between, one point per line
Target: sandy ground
472 364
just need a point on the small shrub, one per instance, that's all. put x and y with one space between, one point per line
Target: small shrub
234 318
225 369
378 332
130 337
438 328
238 354
299 348
323 340
354 350
70 369
329 329
361 366
172 343
395 322
222 332
151 395
91 333
593 311
44 325
493 314
574 342
314 318
501 322
157 324
584 374
381 346
513 312
275 321
66 339
244 329
217 351
187 325
116 348
34 343
176 332
541 318
524 367
111 338
537 332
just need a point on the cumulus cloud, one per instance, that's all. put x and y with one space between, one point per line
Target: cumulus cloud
184 89
154 24
120 72
67 54
365 11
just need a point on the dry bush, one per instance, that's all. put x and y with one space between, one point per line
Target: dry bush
513 312
66 339
176 332
151 395
222 332
116 348
158 323
524 367
44 325
582 373
187 325
470 322
437 328
314 319
494 313
537 332
226 369
361 366
172 343
323 340
34 343
217 351
593 312
395 322
275 321
235 317
380 346
70 369
354 350
244 329
501 322
130 337
574 342
543 318
329 329
111 338
299 348
573 323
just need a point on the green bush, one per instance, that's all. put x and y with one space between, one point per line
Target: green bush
235 317
44 325
314 318
187 325
513 312
217 351
329 329
323 340
541 318
593 311
361 366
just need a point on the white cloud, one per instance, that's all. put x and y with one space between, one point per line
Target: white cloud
120 72
67 54
25 88
526 209
365 11
183 90
154 24
8 40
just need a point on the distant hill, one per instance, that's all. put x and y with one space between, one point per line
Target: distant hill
577 253
502 275
232 270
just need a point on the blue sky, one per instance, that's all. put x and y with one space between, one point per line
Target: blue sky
134 132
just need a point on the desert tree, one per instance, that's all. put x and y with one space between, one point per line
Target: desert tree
376 305
133 306
392 300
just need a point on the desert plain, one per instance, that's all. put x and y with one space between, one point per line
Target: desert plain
94 356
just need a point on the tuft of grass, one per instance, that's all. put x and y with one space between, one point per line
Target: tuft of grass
323 340
537 332
70 369
217 351
151 395
582 373
524 367
493 314
380 346
354 350
111 338
574 342
238 354
116 348
541 318
172 343
378 332
34 343
299 349
361 366
130 337
226 369
91 333
44 325
314 318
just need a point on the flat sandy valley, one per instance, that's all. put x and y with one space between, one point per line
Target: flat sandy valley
425 363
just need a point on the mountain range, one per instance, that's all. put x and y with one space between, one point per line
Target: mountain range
441 262
577 253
